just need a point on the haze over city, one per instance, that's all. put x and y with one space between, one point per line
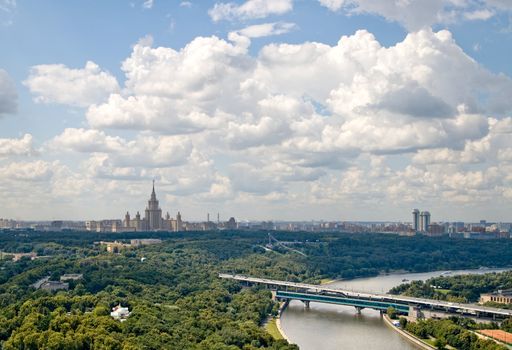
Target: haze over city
258 109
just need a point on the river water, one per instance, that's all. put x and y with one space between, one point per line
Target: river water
330 327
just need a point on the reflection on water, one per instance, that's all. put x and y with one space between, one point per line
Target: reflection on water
339 327
382 284
327 327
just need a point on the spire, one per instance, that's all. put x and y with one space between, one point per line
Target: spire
153 194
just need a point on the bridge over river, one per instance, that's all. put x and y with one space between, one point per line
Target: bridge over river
284 290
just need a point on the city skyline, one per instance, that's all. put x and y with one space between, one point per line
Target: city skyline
258 109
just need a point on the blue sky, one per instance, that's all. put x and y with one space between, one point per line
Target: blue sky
256 109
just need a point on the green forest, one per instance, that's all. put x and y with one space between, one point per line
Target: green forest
173 291
463 288
455 332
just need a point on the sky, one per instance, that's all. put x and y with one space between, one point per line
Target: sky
257 109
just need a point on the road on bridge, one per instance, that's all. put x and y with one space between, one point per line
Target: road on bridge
323 294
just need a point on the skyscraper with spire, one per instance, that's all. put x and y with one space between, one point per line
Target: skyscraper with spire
153 220
153 215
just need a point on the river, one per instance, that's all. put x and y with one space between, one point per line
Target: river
330 327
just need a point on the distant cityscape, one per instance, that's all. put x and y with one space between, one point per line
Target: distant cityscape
154 221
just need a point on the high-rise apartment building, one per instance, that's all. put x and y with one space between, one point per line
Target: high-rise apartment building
424 221
416 220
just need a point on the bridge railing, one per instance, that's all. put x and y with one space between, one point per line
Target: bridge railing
415 302
339 300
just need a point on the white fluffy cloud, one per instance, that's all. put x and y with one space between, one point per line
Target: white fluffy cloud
176 91
417 14
312 107
27 171
483 15
148 4
414 14
56 83
250 9
14 147
82 140
161 151
303 123
155 113
266 29
425 92
8 94
144 151
358 74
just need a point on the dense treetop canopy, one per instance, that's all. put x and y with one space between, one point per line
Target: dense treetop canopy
175 296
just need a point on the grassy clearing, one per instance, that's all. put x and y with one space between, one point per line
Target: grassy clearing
326 281
430 341
443 291
271 327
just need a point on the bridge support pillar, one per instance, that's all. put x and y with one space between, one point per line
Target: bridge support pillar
273 295
358 309
414 313
306 303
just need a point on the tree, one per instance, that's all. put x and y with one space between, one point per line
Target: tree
392 313
507 325
440 343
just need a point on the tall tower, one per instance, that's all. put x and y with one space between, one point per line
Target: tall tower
424 221
416 220
127 220
179 222
153 212
138 224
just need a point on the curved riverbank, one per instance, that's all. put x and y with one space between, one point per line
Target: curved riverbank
282 307
334 327
416 341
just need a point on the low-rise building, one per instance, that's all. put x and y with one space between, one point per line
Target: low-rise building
144 241
500 296
19 256
120 313
53 286
435 230
114 247
481 235
46 284
38 284
71 277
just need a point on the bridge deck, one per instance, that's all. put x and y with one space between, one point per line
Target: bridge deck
340 300
312 289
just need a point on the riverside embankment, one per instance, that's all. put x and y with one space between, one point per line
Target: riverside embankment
333 327
417 342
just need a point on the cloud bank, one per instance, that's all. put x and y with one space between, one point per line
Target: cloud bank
295 125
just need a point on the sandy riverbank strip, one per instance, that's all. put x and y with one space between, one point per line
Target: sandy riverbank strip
278 321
